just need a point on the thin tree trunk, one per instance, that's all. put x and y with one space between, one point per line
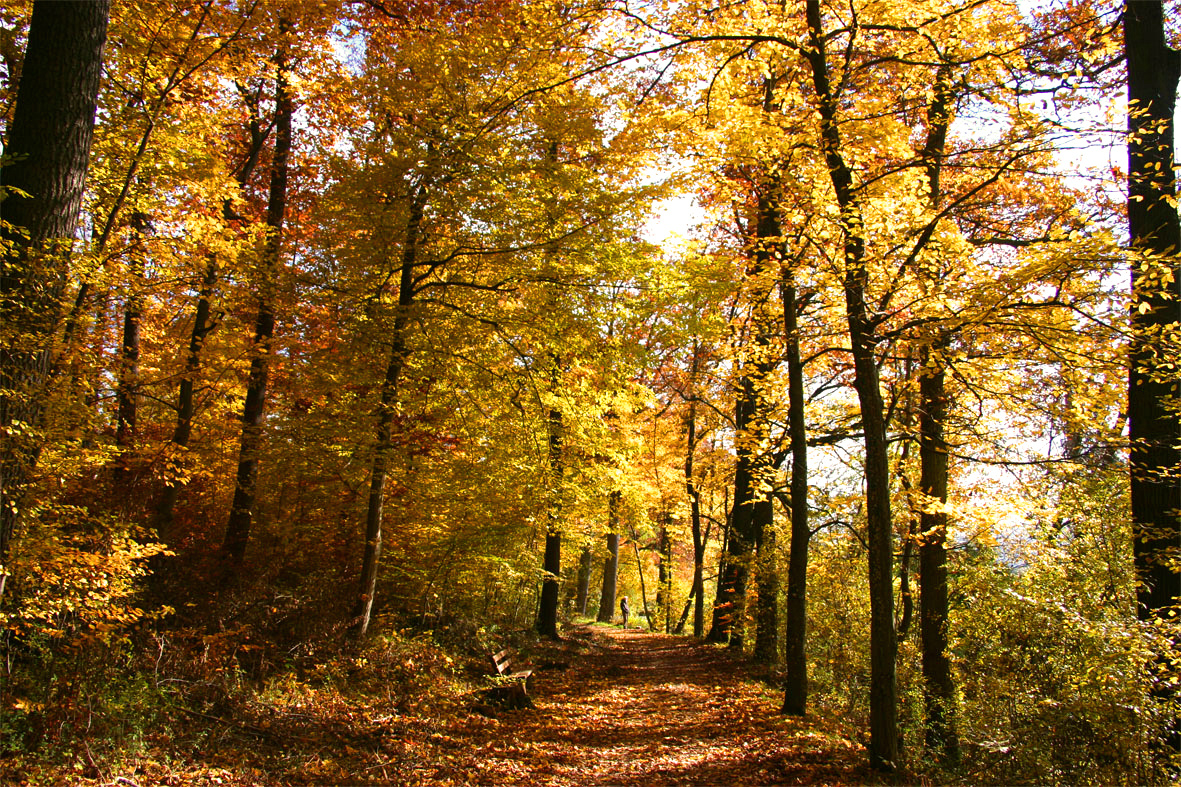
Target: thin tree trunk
680 627
383 444
795 692
584 572
719 630
611 562
127 394
237 534
884 746
49 142
697 591
547 612
767 615
729 609
203 325
643 589
665 574
186 406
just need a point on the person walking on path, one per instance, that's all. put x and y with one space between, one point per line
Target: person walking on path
624 609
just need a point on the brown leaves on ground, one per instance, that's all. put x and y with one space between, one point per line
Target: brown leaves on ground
635 708
612 707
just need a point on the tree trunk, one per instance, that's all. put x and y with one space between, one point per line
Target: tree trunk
729 609
939 695
547 612
698 591
664 598
680 627
237 534
643 588
1153 69
767 616
50 135
127 394
186 406
584 572
203 325
611 562
940 690
383 444
795 692
884 746
719 630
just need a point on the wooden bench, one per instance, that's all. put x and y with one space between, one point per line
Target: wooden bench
515 684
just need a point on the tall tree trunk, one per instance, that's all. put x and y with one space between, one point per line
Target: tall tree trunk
719 630
1153 70
884 746
186 404
127 394
611 561
939 696
50 135
584 572
665 574
547 612
680 627
1153 395
698 591
767 615
730 607
648 616
795 692
203 325
386 410
237 534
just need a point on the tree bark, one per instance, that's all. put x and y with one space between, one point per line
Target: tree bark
203 324
547 612
665 575
753 466
611 562
1155 428
51 131
186 405
127 394
648 616
729 609
767 575
884 746
698 591
939 696
795 692
584 572
939 686
386 411
237 534
719 630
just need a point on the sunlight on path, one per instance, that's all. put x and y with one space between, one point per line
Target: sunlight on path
645 709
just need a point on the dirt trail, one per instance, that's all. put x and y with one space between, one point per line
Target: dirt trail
632 708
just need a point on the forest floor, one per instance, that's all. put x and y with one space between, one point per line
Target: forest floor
611 707
639 709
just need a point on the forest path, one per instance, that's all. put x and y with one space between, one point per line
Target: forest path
633 708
